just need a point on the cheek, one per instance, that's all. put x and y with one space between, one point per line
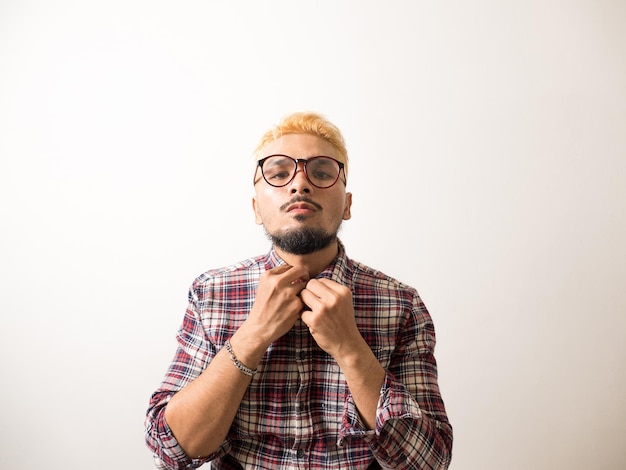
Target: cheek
264 206
341 208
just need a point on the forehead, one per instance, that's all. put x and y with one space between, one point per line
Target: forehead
299 146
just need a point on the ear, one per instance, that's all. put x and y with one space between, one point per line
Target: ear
346 210
257 213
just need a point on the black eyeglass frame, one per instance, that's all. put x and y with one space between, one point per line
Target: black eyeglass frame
295 169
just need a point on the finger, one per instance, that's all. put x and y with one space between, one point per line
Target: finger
308 317
279 269
310 300
332 285
296 275
320 287
287 273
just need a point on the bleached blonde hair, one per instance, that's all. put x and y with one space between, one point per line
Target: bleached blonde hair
306 123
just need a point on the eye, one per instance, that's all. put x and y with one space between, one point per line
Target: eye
278 169
323 169
321 175
277 175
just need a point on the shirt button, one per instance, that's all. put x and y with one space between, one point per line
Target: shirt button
302 355
300 453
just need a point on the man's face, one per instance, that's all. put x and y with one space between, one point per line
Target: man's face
299 206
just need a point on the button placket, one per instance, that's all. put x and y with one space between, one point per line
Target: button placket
304 433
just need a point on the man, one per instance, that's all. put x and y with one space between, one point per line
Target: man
302 358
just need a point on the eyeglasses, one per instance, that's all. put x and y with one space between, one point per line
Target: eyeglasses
280 170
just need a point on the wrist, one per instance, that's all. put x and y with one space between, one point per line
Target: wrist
359 359
238 364
247 348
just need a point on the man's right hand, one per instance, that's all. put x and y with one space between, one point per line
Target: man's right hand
277 305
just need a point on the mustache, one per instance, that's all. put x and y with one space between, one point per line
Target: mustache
301 199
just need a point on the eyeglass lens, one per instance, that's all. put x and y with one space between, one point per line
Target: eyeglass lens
278 170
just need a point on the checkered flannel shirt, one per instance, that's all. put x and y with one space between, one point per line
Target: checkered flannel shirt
298 412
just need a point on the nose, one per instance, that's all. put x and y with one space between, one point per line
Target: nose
300 182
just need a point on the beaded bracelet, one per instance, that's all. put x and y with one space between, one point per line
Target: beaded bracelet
246 370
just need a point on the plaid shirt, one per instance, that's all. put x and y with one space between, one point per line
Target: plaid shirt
297 411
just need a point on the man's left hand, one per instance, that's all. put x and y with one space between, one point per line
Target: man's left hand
331 316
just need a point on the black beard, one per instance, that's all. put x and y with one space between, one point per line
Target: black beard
303 241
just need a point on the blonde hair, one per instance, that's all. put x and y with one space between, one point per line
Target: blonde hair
306 123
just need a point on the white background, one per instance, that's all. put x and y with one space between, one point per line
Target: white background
488 167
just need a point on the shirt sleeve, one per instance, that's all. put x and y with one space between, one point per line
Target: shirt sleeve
192 356
412 430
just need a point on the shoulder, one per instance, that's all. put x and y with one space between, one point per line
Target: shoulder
235 269
364 276
241 273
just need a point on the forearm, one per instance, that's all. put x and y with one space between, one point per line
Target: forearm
405 435
364 377
201 414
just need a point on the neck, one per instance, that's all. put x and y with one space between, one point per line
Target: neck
315 262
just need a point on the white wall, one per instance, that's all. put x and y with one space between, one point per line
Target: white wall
488 169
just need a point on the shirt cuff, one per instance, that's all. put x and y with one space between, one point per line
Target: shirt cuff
172 454
394 402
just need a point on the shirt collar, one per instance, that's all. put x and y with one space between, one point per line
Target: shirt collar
337 270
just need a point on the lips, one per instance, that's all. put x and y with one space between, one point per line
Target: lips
301 208
301 204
